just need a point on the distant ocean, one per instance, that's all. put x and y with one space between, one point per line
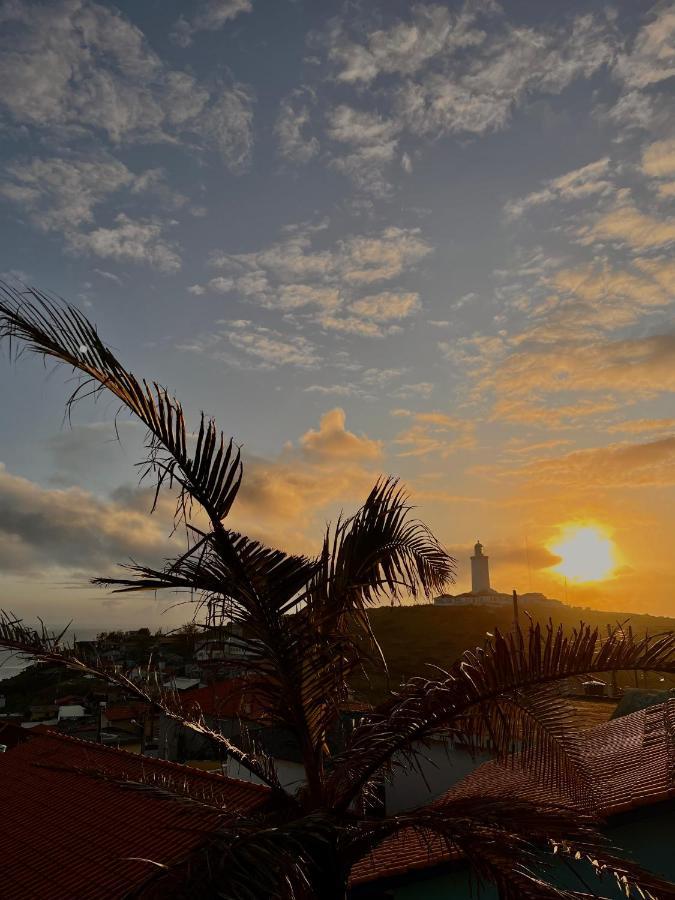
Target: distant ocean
12 663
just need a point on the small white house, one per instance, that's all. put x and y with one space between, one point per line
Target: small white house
71 711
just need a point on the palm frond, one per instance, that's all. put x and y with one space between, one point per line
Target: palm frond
381 550
499 673
210 475
515 844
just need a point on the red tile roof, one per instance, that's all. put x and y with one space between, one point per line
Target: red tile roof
66 832
629 762
223 700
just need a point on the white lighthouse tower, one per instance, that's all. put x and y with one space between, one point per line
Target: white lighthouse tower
480 570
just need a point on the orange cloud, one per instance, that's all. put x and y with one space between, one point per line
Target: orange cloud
333 441
617 465
627 225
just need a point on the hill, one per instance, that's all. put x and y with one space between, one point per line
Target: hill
412 637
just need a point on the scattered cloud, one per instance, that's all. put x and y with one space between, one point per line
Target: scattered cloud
130 240
386 306
295 116
642 426
627 225
404 47
327 284
262 347
651 58
589 180
210 15
434 433
658 159
617 465
76 67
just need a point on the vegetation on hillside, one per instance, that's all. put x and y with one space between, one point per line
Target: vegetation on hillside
418 636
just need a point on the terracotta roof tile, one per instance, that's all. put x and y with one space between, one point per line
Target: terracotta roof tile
223 699
630 763
66 833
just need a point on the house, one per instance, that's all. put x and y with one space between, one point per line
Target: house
225 707
180 683
69 828
71 711
629 762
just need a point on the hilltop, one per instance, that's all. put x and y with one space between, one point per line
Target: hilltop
412 637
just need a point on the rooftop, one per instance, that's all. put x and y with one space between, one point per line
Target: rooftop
64 804
629 764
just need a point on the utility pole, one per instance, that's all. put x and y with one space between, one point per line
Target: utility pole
516 617
99 722
615 690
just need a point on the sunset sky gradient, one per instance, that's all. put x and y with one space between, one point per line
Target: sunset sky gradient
431 240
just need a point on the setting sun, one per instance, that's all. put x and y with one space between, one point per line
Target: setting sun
588 554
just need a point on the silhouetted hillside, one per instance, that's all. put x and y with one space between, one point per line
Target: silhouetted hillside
414 636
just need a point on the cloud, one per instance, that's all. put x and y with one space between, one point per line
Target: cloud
371 381
283 500
287 500
137 241
109 276
333 442
637 367
294 117
617 465
61 193
477 92
642 426
211 15
651 59
386 306
434 433
419 389
355 325
326 284
373 144
76 67
658 159
627 225
357 260
43 529
265 348
404 47
589 180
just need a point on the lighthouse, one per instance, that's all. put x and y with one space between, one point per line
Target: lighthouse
480 571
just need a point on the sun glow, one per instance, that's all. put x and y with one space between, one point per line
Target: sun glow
588 554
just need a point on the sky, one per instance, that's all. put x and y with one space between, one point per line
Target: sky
430 240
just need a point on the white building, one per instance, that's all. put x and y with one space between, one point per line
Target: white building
481 594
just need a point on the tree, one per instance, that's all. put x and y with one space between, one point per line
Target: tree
305 623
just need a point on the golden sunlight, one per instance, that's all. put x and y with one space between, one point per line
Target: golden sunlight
588 554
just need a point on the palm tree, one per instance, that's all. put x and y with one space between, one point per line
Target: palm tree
306 627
